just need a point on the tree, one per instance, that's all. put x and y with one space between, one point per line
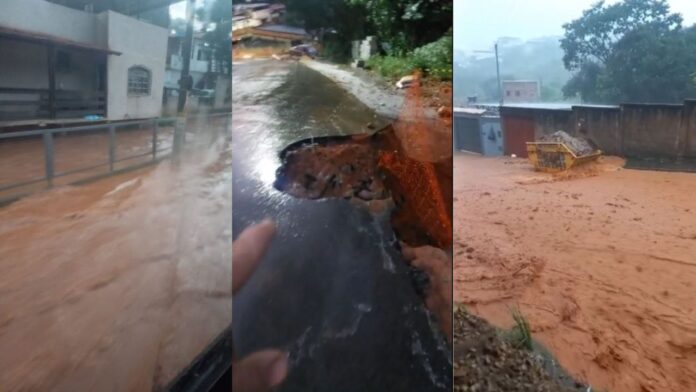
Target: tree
648 66
593 35
584 83
617 51
407 24
341 20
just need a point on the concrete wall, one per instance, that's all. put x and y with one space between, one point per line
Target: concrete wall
43 17
601 125
141 44
550 121
653 130
632 130
689 123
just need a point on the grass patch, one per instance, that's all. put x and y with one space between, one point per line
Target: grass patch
520 335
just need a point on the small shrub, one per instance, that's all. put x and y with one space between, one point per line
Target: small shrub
520 335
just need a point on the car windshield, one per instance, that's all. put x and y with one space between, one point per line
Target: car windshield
115 200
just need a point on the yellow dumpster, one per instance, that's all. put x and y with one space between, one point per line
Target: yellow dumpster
555 157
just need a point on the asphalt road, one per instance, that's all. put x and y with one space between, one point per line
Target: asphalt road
333 289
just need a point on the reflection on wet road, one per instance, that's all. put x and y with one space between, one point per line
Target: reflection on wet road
333 289
118 284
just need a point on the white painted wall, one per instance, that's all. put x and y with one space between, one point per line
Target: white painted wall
47 18
141 44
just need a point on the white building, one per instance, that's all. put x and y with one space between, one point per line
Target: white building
61 64
521 91
206 71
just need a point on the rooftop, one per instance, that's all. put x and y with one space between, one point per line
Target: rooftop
283 29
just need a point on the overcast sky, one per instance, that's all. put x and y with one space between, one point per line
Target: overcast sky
478 23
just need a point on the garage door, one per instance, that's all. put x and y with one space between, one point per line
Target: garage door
466 134
518 131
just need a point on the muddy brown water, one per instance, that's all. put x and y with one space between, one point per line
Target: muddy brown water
600 261
22 159
117 284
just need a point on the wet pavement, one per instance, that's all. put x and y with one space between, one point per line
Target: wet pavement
333 289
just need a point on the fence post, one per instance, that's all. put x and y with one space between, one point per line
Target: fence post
155 130
48 156
179 130
112 146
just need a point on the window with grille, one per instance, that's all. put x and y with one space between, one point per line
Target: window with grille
139 80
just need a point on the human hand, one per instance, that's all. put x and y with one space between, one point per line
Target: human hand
263 370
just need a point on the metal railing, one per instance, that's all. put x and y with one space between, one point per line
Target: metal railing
154 151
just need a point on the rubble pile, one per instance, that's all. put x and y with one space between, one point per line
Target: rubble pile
347 170
485 362
578 146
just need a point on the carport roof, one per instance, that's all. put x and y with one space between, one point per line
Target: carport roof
50 39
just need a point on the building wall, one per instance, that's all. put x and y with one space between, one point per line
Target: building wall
632 130
550 121
520 91
689 123
600 125
652 130
47 18
141 44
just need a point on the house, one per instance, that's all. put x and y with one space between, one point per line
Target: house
207 72
521 91
61 64
256 14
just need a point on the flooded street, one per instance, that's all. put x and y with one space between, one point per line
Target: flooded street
118 284
601 261
333 290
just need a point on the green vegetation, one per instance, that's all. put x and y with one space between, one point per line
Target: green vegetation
433 59
401 26
407 24
633 50
520 335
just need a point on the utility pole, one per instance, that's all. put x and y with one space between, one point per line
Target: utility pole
497 71
185 80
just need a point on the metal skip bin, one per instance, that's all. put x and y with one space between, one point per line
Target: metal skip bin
556 157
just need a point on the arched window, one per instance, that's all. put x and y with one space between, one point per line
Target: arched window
139 80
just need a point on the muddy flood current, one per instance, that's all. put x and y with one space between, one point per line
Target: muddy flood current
117 284
601 261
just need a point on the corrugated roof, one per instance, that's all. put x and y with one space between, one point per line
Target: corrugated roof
473 111
540 105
